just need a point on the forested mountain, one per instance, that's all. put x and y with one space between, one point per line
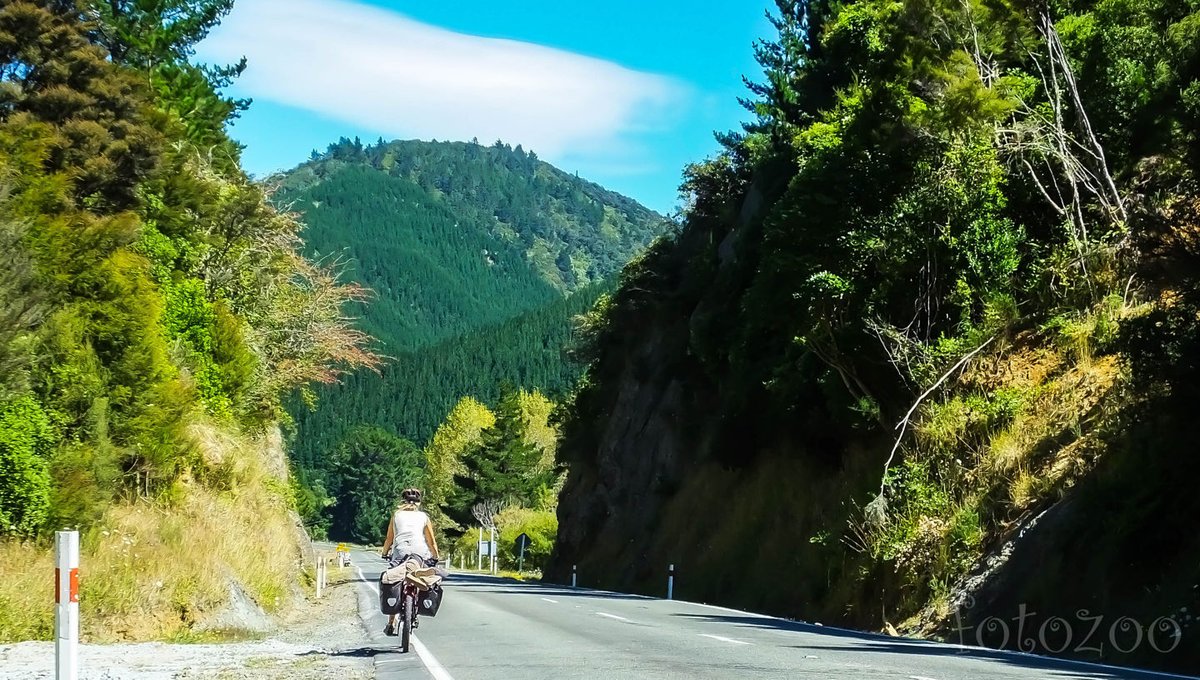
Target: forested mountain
454 235
432 274
572 231
477 258
925 349
154 309
414 390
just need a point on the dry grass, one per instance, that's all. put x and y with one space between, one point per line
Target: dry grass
1024 424
153 570
26 592
1006 451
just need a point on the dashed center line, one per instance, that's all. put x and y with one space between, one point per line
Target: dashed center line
725 639
612 616
920 677
549 600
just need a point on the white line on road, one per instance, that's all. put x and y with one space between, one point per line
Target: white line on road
550 601
363 577
920 677
725 639
435 669
612 616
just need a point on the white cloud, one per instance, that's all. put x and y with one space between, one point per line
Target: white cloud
383 71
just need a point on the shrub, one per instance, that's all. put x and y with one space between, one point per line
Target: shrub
25 437
541 527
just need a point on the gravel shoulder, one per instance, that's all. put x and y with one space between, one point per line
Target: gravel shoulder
316 640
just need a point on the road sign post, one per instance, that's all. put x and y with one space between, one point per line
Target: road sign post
66 607
522 541
671 582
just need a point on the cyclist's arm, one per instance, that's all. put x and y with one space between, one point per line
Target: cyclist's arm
430 538
387 542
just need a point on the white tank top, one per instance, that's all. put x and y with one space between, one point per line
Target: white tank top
408 527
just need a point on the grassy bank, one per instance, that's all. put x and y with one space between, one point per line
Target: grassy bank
156 569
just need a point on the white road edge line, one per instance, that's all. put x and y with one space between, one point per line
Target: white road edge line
363 576
550 601
612 616
725 639
435 668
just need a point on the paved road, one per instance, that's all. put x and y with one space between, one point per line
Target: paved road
498 629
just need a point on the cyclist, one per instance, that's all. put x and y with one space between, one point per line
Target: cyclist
409 534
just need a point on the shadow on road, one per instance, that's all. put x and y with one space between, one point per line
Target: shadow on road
509 586
862 642
357 652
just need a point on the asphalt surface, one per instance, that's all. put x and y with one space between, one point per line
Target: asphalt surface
490 628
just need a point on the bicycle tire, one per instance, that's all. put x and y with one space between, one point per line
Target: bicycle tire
407 614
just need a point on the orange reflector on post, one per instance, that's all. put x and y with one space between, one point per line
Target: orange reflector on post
72 585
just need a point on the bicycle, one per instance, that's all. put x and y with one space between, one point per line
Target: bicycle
409 597
408 614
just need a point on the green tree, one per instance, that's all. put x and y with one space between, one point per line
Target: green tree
148 279
369 469
460 432
158 37
505 466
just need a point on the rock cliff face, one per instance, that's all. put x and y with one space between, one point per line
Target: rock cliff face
676 457
679 453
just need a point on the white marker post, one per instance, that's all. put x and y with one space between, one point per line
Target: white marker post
671 582
320 576
573 576
66 609
492 548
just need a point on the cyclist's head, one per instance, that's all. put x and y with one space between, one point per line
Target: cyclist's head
411 496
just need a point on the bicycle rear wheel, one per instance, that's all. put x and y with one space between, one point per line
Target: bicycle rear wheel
407 614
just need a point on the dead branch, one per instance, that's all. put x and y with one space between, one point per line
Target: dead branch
903 424
485 513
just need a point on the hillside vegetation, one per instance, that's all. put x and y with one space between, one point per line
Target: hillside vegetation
154 309
477 259
924 351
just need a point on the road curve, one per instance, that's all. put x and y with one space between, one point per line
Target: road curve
491 629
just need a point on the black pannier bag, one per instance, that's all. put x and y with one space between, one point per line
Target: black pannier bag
429 601
389 597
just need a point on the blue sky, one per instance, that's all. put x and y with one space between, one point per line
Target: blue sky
623 92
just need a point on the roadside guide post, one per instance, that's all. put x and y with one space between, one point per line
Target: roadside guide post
522 541
573 580
492 549
670 582
479 554
320 575
66 607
